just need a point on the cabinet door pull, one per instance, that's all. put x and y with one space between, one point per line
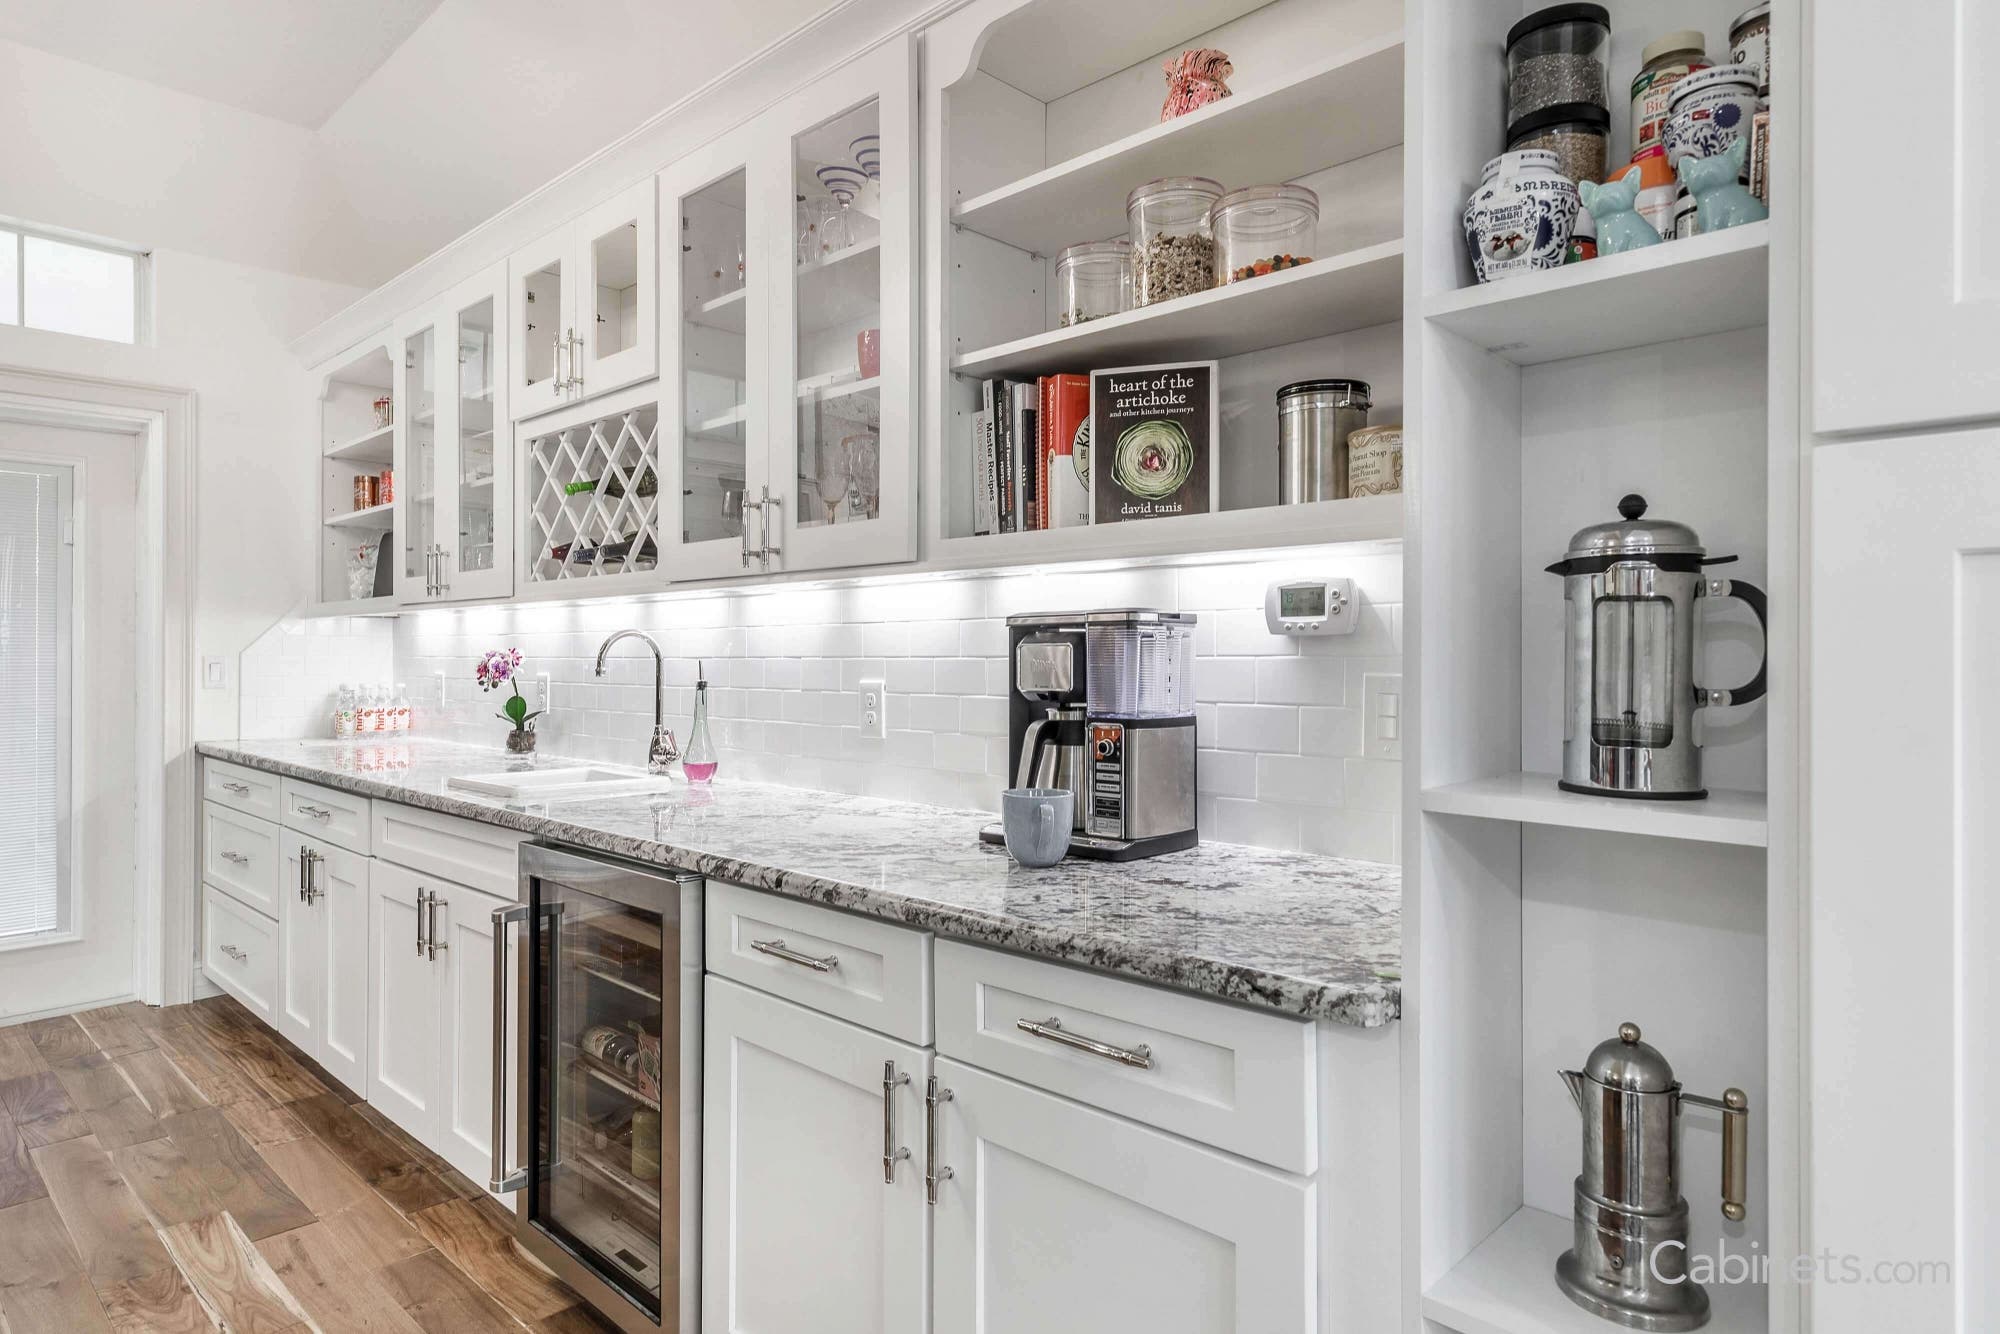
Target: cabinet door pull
423 901
771 502
442 556
313 891
240 789
234 858
575 356
1051 1030
776 949
935 1173
503 1179
304 853
316 812
431 942
235 953
891 1151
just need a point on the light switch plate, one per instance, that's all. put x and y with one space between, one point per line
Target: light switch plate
1382 715
214 674
874 708
542 691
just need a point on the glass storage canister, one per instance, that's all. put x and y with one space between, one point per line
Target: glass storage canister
1093 280
1578 133
1750 44
1315 417
1666 60
1173 251
1262 229
1556 55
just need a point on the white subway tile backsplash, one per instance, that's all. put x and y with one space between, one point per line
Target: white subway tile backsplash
1253 727
1330 731
1304 780
934 713
961 676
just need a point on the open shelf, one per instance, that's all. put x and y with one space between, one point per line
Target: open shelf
378 446
1508 1286
724 313
1328 296
1677 289
1336 110
1366 519
1725 816
378 517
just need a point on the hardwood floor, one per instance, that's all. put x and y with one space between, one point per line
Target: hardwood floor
187 1169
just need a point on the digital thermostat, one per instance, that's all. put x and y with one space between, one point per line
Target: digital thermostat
1311 607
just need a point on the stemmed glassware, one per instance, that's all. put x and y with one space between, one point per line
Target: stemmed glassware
830 474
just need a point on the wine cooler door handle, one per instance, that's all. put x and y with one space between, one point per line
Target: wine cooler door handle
504 1178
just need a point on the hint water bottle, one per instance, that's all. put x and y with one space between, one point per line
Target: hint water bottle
698 761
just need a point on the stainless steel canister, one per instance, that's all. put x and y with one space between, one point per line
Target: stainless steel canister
1314 419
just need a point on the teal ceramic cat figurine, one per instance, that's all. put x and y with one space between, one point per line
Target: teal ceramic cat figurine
1720 200
1619 226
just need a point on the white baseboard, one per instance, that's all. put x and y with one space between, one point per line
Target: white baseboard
8 1020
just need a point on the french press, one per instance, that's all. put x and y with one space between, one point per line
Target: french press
1628 1256
1629 696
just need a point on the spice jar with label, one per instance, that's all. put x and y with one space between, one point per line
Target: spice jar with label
1263 229
1173 250
1557 55
1093 280
1710 111
1576 132
1750 44
1665 62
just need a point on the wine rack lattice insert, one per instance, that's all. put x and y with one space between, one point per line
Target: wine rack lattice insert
594 498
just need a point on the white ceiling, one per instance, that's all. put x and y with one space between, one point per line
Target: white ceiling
293 60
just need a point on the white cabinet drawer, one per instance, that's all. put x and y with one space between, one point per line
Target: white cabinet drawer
1230 1077
478 855
242 855
338 817
871 973
239 952
251 791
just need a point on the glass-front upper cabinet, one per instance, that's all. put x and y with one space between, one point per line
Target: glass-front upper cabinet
454 485
355 457
583 319
715 400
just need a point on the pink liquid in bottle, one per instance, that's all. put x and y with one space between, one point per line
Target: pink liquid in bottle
699 771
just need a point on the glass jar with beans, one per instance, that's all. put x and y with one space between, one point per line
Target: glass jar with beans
1263 229
1173 248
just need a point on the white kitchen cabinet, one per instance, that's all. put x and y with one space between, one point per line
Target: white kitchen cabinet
813 1210
789 400
1057 1217
1937 302
583 313
357 439
323 955
454 481
464 1132
406 990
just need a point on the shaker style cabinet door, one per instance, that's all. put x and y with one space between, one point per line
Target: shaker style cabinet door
1904 331
301 951
340 902
804 1117
465 963
618 316
1058 1216
540 327
405 995
1904 843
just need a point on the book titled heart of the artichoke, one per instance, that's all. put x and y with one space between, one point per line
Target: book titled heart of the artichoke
1152 434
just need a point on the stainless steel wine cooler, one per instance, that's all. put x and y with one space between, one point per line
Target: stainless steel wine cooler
606 1154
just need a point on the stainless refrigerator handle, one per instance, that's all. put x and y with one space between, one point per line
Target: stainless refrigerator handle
777 950
431 942
503 1179
891 1152
423 901
1051 1029
935 1173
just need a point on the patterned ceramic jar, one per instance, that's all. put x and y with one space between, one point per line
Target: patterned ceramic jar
1521 216
1709 111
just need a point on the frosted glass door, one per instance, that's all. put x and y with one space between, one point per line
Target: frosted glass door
842 460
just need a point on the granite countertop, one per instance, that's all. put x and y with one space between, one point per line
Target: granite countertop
1306 935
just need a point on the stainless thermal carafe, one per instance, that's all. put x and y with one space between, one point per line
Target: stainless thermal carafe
1628 1258
1629 701
1053 755
1314 419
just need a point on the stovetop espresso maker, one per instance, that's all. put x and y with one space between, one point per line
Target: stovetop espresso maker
1630 697
1628 1258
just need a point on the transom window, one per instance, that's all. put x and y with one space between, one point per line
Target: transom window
69 286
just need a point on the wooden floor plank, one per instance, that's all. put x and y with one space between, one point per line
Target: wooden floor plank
166 1182
319 1179
101 1091
454 1180
59 1040
441 1299
338 1291
374 1233
575 1320
103 1217
17 1053
370 1154
34 1246
161 1303
195 1054
113 1030
165 1089
40 1105
277 1074
263 1121
60 1306
240 1180
466 1237
19 1181
231 1278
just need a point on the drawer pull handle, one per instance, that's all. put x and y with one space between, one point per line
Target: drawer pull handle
316 812
776 949
935 1173
235 954
891 1151
236 858
240 789
1051 1029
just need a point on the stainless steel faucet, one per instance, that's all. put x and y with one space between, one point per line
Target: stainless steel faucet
662 753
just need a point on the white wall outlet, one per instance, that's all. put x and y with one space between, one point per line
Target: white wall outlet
1382 716
440 696
542 692
874 708
215 674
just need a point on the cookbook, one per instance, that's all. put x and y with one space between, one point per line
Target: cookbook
1152 437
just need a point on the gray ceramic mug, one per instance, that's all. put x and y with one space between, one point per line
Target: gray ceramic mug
1037 822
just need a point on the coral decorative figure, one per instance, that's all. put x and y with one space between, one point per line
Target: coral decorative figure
1720 199
1619 226
1194 79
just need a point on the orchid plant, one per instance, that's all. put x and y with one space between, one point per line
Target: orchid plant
502 667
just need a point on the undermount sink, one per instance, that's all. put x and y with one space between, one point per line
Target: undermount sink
551 782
